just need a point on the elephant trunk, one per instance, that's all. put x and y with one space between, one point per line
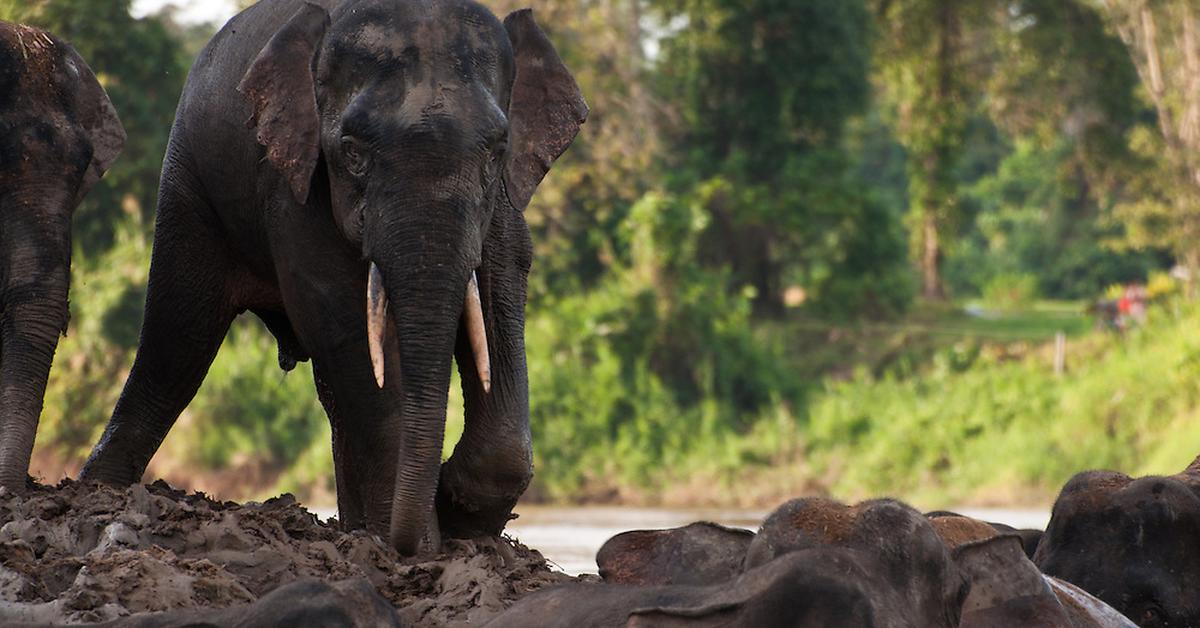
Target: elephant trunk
426 271
33 316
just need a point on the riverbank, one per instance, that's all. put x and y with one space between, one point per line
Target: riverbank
973 423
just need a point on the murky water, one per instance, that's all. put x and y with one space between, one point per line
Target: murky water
570 537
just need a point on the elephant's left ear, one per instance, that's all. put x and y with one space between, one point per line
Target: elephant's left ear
546 109
96 114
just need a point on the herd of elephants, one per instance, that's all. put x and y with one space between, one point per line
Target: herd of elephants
354 172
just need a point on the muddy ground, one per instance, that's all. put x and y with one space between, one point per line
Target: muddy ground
79 553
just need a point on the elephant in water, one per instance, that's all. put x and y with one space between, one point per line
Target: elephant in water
928 560
812 588
1007 589
354 173
59 134
1134 543
700 553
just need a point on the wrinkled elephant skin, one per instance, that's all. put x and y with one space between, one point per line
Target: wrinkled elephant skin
354 173
59 134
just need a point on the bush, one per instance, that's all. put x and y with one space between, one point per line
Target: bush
1010 291
1006 431
654 374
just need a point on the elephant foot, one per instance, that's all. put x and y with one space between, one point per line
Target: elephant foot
471 505
103 467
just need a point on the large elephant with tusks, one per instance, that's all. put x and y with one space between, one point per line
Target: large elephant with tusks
354 173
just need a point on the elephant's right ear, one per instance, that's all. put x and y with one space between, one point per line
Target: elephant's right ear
282 91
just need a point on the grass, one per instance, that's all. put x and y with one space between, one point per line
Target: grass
999 431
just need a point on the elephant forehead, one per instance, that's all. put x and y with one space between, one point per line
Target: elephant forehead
407 34
29 59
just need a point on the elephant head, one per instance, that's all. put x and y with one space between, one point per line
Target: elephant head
698 554
1132 542
429 125
58 135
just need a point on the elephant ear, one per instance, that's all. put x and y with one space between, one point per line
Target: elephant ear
545 111
282 92
96 115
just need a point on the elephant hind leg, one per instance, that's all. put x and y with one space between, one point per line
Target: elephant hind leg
188 312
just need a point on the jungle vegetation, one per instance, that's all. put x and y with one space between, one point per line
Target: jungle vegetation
753 263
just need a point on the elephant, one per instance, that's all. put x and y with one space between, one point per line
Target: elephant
918 563
354 172
809 588
1007 589
912 570
699 553
1133 543
1029 537
59 133
306 602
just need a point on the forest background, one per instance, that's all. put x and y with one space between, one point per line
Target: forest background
817 245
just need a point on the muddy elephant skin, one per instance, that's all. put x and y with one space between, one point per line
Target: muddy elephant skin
59 133
814 588
1133 543
354 173
697 554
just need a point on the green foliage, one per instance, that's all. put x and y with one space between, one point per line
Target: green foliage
1003 430
930 66
655 371
766 90
1034 216
1010 291
89 368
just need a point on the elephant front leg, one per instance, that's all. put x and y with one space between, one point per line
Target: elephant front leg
492 464
28 338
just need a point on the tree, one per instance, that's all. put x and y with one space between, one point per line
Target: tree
764 91
579 208
1163 39
1063 95
931 72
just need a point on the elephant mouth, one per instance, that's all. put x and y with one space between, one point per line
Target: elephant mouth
377 316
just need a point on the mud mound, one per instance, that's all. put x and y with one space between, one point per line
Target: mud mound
85 553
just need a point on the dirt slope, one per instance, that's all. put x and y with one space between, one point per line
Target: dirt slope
86 553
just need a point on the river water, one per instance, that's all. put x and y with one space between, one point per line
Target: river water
569 537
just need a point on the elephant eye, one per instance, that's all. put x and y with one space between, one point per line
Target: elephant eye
356 156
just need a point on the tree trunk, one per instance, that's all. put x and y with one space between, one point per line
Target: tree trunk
931 259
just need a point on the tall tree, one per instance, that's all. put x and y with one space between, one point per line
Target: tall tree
931 64
764 90
576 215
1163 39
1063 93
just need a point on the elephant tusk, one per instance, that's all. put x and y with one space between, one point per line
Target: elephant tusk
473 310
377 306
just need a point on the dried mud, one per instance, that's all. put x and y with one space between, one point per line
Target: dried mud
80 553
